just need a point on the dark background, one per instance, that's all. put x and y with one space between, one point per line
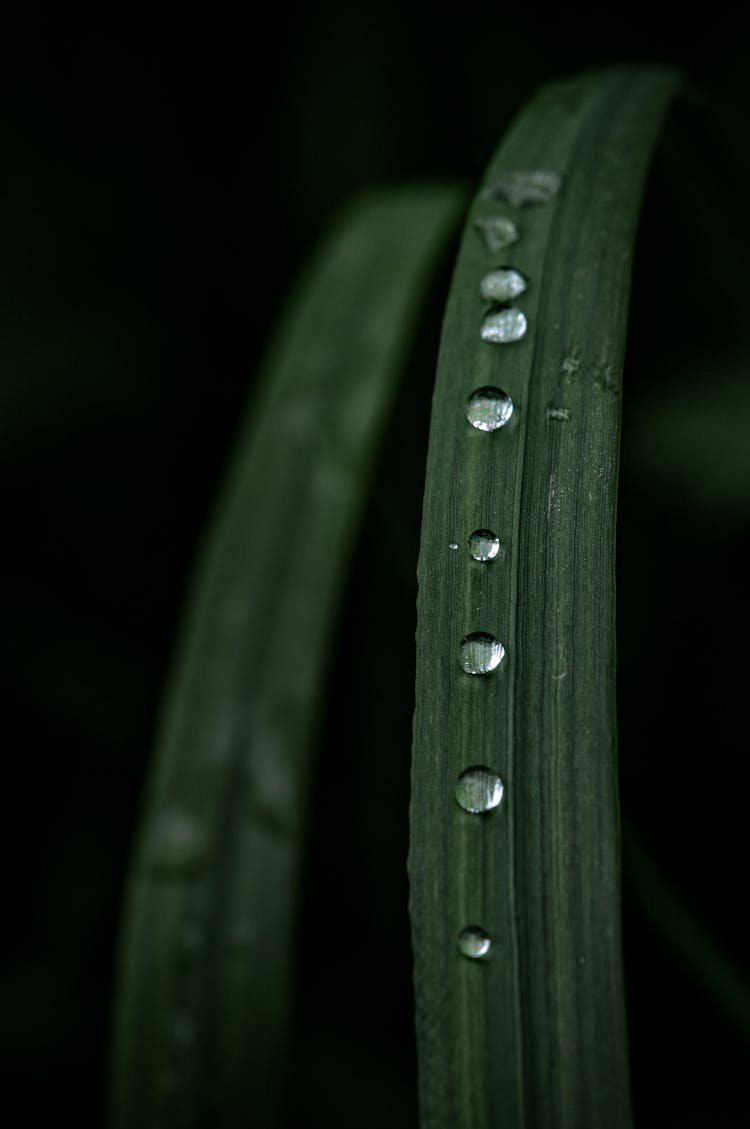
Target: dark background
162 177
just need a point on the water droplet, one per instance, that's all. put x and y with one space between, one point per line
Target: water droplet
502 285
474 942
478 789
484 545
497 232
453 546
481 653
502 327
562 415
536 186
488 409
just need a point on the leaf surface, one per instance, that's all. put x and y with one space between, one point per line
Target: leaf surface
533 1033
206 957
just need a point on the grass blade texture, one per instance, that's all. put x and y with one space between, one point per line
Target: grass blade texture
515 902
203 1007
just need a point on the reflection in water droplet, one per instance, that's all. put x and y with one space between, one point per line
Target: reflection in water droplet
478 789
536 186
484 545
502 327
481 653
489 408
502 285
453 546
474 942
497 232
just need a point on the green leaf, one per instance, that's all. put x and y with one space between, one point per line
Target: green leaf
203 1012
533 1033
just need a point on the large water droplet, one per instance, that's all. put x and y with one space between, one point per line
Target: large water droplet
502 285
474 942
481 653
497 232
478 789
484 545
489 408
536 186
503 327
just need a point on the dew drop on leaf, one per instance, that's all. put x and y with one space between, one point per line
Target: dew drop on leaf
474 942
478 789
489 408
484 545
502 285
481 653
503 327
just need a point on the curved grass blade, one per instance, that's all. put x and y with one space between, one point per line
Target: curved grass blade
203 1005
530 1032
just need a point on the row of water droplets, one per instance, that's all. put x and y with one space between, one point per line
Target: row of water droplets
480 789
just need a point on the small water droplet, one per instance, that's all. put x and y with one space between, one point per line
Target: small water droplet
502 285
478 789
497 232
453 545
502 327
474 942
562 415
481 653
484 545
487 409
535 186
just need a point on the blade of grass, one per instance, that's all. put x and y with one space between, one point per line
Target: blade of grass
203 1011
534 1034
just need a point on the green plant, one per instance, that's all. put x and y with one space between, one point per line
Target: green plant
530 1031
